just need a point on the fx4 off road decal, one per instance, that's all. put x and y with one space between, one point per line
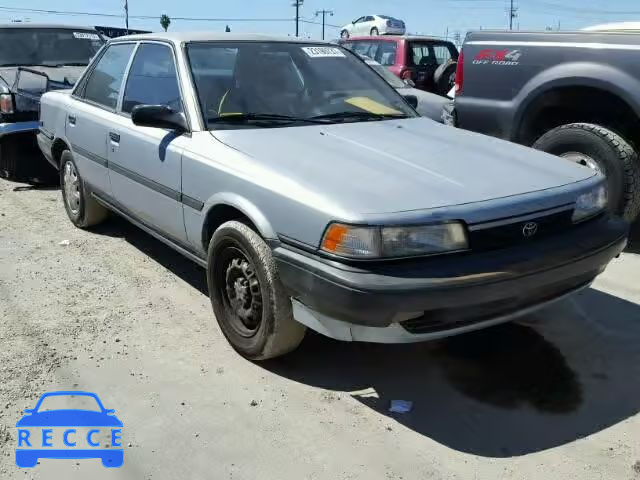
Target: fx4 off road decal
498 57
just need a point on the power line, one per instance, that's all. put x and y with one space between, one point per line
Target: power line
139 17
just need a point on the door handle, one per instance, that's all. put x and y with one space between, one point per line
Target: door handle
115 137
72 119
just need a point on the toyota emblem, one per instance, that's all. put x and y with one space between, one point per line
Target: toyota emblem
529 229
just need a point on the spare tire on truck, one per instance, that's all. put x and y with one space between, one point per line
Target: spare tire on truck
444 78
603 150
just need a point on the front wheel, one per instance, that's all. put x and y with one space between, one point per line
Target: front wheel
248 298
604 151
344 34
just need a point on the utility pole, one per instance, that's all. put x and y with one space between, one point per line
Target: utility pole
513 14
324 14
126 15
297 4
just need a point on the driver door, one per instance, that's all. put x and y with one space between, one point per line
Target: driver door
357 27
145 164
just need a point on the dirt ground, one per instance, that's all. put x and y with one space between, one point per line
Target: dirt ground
115 312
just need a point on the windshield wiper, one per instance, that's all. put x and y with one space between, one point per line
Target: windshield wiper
359 116
263 117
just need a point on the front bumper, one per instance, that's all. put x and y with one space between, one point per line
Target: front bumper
437 296
18 127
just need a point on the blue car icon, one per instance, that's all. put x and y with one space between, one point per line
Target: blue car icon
28 457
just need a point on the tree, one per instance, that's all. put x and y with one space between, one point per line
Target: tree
165 21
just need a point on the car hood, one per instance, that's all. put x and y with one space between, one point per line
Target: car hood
401 165
62 75
69 418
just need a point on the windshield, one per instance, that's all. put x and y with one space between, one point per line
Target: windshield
47 46
292 80
385 73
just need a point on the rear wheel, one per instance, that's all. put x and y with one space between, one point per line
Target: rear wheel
602 150
374 32
82 209
248 299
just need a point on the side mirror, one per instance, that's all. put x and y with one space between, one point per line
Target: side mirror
158 116
29 410
411 100
109 411
409 83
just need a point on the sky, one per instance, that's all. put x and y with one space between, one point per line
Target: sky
433 17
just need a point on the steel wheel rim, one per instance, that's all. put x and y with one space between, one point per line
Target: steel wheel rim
584 160
240 290
72 188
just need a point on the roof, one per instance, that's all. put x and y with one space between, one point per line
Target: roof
179 37
615 27
395 37
46 25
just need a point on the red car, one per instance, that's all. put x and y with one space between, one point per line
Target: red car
429 62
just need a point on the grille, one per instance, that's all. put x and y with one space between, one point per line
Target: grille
512 233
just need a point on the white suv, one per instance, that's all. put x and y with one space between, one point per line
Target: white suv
374 25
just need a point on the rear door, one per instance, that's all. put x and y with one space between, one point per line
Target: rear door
145 163
92 113
367 25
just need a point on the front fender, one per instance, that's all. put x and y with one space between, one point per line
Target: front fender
248 208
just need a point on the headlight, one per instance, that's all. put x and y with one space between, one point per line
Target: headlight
590 204
393 242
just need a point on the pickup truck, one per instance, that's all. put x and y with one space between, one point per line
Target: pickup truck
320 204
572 94
35 58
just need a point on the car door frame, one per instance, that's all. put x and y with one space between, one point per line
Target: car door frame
77 94
137 177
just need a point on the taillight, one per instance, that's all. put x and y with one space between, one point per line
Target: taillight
406 75
460 73
6 103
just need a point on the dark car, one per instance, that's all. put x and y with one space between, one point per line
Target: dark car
429 62
34 59
572 94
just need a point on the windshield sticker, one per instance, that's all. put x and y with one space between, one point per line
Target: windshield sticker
86 35
371 106
323 52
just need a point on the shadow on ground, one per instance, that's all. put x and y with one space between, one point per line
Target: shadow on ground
567 372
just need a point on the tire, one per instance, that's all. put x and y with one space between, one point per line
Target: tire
374 32
82 209
444 77
614 156
240 264
344 34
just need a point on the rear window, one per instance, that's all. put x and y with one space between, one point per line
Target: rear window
383 52
422 54
47 46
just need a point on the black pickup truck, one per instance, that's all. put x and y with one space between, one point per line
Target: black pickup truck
573 94
34 59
